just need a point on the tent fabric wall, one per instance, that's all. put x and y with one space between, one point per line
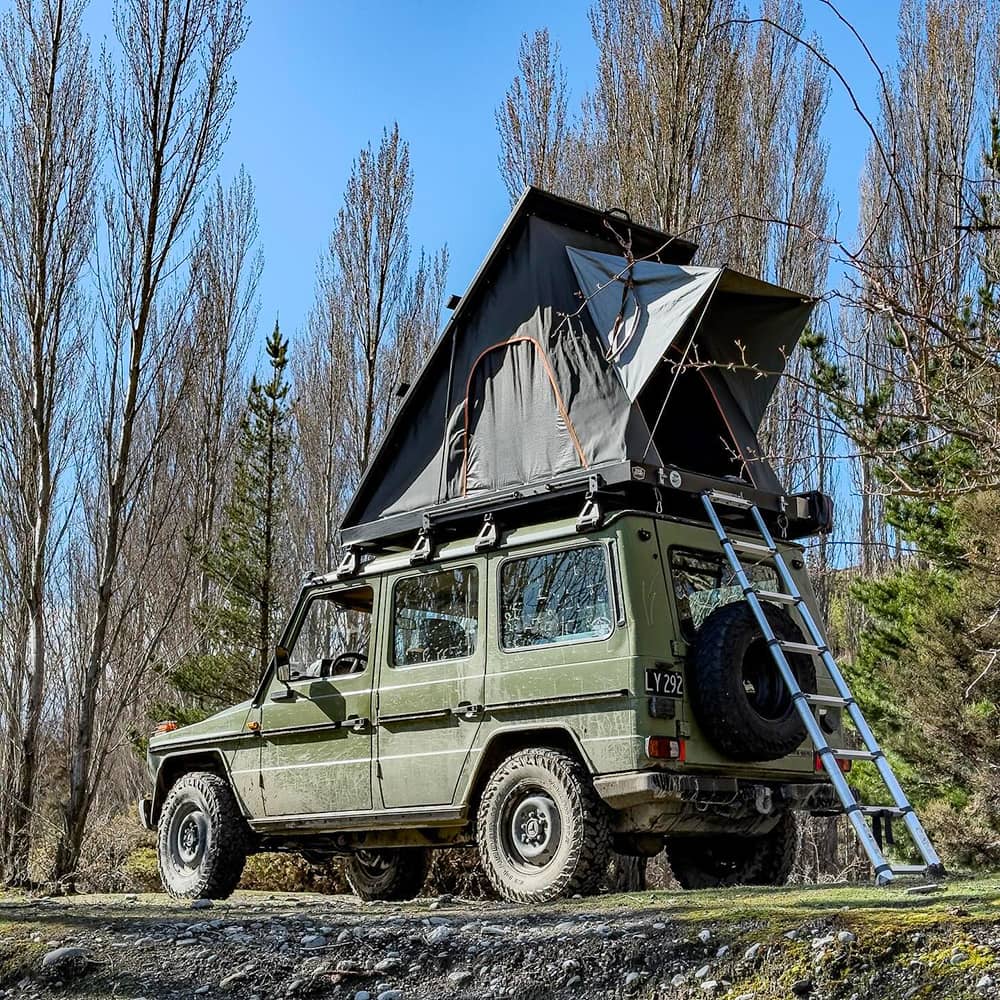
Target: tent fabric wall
512 399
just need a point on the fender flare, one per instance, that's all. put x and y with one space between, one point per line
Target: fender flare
174 764
510 738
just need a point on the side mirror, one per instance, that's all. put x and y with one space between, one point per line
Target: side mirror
282 669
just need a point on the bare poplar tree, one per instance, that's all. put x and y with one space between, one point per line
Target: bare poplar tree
373 320
48 161
226 267
925 347
532 120
167 108
369 260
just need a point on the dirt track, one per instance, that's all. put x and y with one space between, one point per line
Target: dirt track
836 942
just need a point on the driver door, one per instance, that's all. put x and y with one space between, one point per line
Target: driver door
316 731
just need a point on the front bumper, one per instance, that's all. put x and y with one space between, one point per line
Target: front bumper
665 802
145 807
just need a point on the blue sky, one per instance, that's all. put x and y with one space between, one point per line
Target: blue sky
319 79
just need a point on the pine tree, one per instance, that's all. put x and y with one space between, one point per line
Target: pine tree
239 624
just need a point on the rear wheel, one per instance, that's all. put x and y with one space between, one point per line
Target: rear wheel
393 873
202 838
541 828
719 860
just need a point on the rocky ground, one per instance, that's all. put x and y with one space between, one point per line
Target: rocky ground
836 942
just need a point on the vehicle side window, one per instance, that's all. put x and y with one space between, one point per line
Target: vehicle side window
333 638
435 616
556 597
704 581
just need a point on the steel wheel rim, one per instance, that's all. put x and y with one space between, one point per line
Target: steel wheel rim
531 829
188 837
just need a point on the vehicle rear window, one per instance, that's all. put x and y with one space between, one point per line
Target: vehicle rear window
436 616
556 597
704 581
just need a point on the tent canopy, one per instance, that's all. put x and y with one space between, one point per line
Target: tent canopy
562 356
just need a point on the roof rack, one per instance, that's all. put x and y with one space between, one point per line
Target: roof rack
592 494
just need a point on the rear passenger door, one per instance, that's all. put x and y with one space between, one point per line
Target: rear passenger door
430 691
563 654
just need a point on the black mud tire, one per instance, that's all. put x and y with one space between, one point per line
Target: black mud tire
737 695
714 861
202 838
552 794
389 873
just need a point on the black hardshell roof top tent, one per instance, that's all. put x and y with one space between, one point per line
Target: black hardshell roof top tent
587 357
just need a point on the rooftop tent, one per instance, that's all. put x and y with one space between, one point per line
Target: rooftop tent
558 359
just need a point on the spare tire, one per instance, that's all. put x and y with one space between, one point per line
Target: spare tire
737 695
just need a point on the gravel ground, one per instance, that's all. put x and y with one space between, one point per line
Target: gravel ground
822 942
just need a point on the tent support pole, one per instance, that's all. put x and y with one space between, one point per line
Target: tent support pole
444 423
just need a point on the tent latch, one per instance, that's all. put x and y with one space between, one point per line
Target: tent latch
591 516
488 536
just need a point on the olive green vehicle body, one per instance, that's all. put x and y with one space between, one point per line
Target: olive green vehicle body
396 755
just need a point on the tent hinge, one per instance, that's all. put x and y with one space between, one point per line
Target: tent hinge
350 563
424 548
489 536
591 516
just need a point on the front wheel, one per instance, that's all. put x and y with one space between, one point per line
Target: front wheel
202 838
541 828
389 873
719 860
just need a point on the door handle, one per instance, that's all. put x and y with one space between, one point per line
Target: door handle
357 724
467 710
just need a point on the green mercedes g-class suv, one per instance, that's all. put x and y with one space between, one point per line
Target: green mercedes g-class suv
484 666
551 699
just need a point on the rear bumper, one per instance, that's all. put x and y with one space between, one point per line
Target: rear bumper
145 807
660 801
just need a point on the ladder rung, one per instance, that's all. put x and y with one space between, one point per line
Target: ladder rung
855 755
800 647
731 500
908 869
752 548
880 810
772 595
833 700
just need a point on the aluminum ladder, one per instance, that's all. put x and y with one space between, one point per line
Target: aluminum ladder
805 701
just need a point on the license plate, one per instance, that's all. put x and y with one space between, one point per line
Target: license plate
667 683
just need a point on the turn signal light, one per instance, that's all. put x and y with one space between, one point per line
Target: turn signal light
165 727
844 765
665 748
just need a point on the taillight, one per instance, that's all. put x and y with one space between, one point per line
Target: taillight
665 748
844 765
165 727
